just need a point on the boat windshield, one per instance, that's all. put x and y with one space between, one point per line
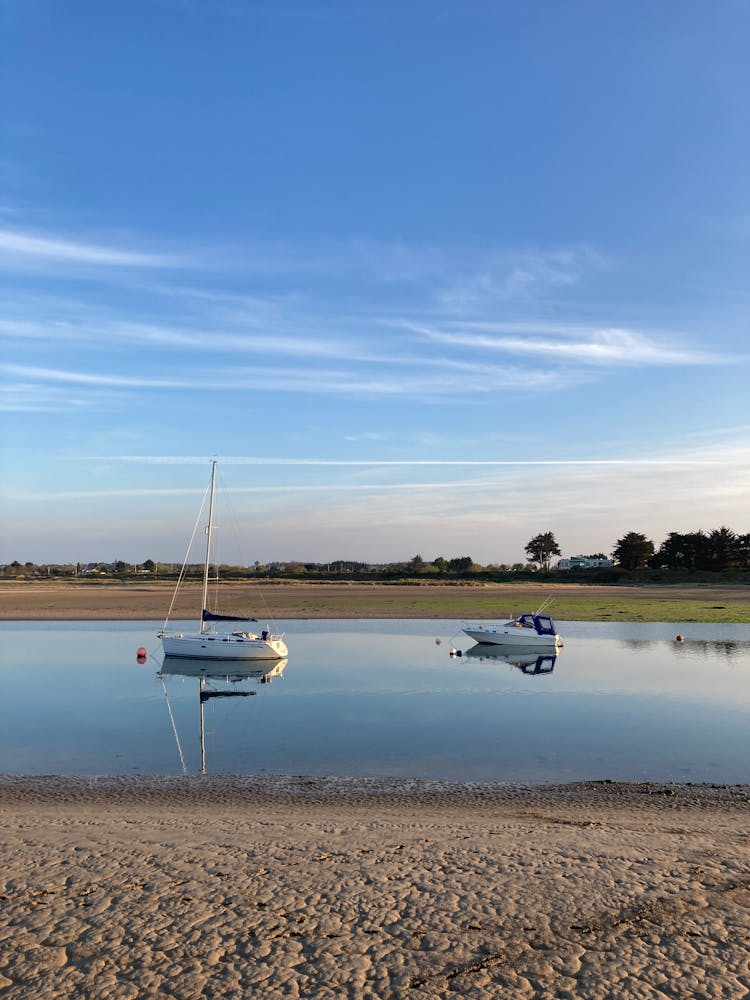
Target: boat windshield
544 625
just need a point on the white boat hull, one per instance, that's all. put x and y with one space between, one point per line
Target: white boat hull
223 647
511 635
516 656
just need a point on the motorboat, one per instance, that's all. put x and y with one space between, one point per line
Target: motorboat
528 629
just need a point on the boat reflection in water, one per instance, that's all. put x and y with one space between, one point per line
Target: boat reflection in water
211 675
526 659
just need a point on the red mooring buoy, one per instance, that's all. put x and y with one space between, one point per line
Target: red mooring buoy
141 654
678 638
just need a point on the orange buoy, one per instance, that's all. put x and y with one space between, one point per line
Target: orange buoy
141 654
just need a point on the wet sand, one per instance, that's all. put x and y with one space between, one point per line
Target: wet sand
314 887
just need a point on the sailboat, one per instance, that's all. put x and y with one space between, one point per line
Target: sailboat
207 643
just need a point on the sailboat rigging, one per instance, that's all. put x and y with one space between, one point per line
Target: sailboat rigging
208 643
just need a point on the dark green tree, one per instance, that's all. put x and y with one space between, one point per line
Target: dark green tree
461 564
689 551
743 551
722 549
633 551
541 548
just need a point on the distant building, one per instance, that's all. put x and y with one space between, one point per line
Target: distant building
94 569
584 562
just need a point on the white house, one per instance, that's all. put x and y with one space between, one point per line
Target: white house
583 562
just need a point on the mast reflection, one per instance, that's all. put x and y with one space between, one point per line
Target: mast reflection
210 674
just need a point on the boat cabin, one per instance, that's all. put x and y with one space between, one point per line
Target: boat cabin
542 624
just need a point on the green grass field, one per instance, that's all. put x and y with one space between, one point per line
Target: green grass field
567 603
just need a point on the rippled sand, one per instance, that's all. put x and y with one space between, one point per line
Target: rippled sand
296 887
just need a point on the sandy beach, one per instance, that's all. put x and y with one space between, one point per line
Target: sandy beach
314 887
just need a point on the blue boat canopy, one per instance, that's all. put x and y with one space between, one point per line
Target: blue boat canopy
542 623
209 616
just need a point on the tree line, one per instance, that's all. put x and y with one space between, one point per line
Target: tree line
716 550
719 550
710 551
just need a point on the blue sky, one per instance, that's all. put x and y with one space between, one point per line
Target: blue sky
425 277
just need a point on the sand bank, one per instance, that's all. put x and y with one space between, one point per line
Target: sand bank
307 887
39 600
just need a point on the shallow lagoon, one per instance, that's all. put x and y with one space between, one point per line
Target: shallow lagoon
621 701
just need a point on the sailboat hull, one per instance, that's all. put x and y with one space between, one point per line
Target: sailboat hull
182 666
223 647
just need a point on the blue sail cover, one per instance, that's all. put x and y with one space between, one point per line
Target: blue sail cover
209 616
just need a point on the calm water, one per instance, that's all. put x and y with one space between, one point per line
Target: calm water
621 701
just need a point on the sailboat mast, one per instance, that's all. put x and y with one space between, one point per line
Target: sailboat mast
207 566
202 726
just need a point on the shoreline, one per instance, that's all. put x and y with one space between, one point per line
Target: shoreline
297 887
75 601
306 791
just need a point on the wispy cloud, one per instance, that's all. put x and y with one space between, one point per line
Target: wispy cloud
258 460
518 276
457 278
84 326
20 397
92 379
368 436
408 382
443 507
334 489
607 346
220 340
103 333
556 343
18 247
